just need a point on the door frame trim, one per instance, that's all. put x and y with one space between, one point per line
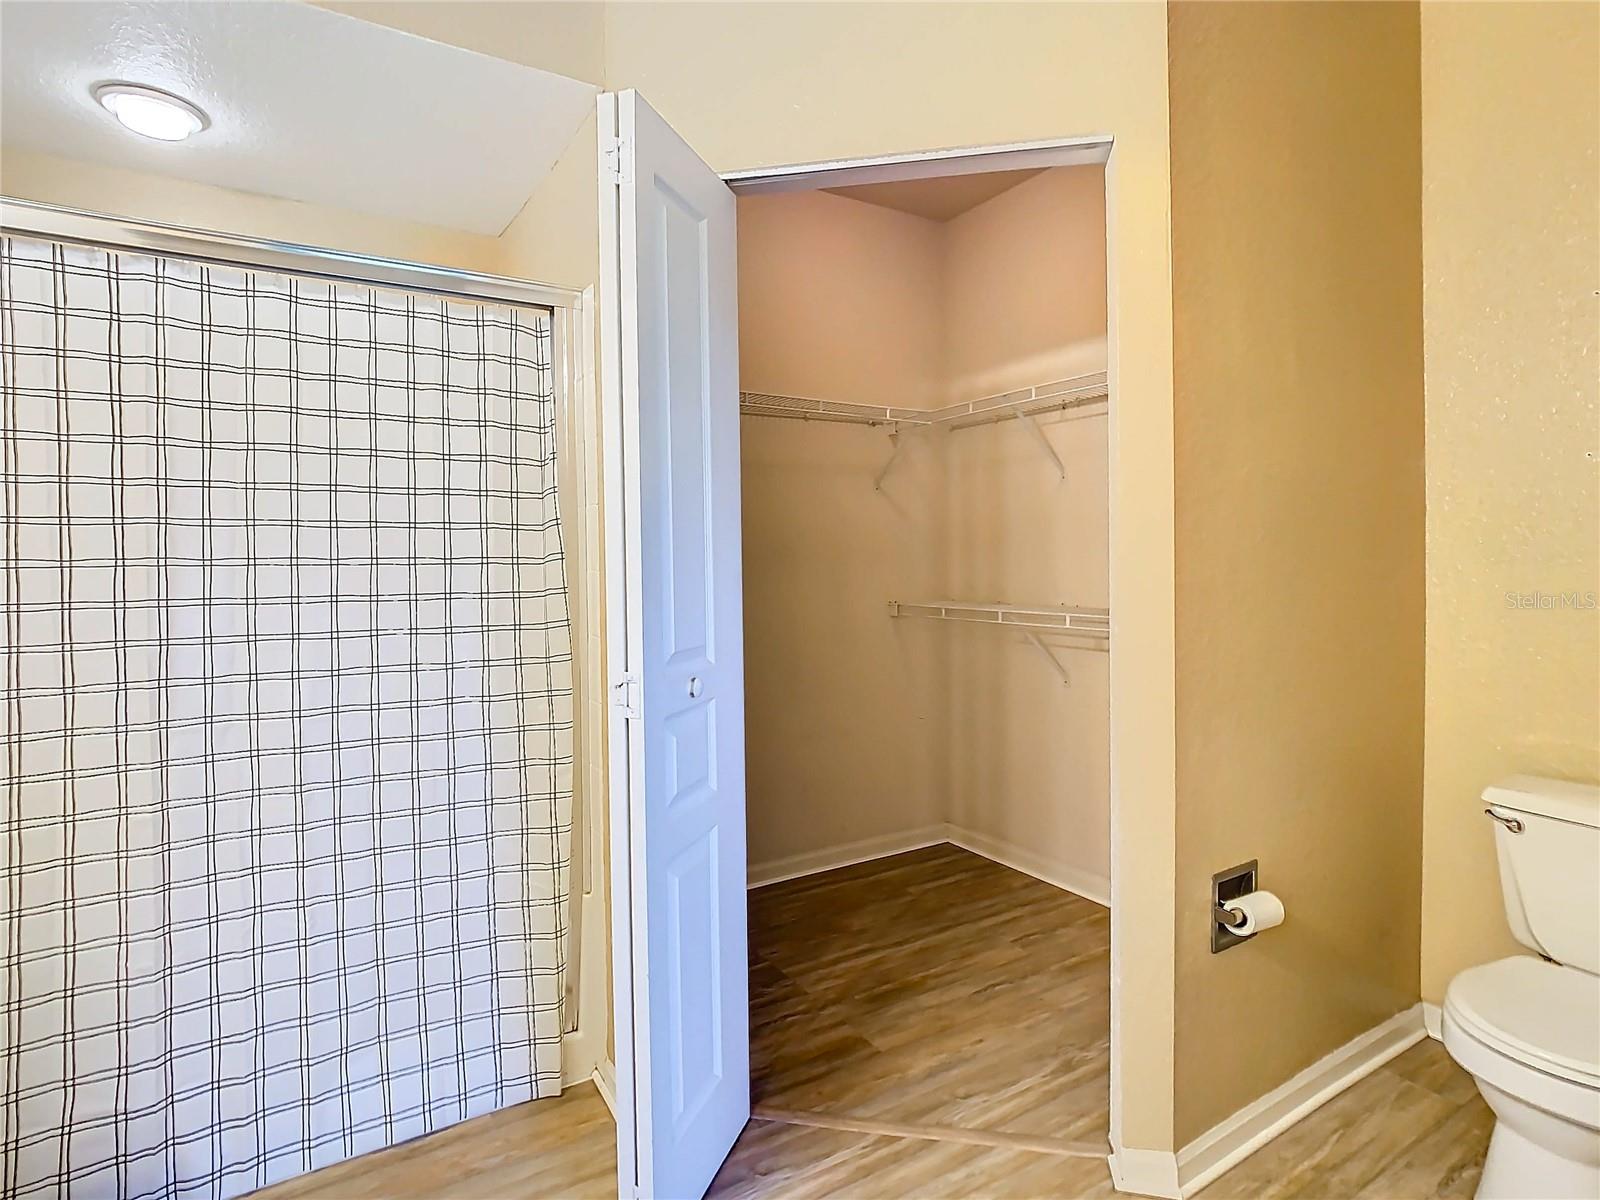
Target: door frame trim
924 164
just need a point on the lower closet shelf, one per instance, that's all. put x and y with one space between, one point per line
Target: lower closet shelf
1094 624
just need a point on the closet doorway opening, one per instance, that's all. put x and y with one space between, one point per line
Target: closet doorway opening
926 395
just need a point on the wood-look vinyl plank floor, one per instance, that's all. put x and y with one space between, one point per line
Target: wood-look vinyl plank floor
1415 1129
564 1147
774 1161
933 988
934 1027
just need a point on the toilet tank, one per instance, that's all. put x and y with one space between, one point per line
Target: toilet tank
1550 870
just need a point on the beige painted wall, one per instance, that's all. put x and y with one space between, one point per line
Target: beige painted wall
838 300
1025 285
1511 255
563 36
749 84
1296 232
1024 293
843 705
45 178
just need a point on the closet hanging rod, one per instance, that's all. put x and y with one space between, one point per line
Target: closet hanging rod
1088 622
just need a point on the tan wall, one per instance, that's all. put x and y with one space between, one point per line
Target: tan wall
553 35
47 179
749 84
843 705
838 300
1511 254
1025 285
1298 375
1025 302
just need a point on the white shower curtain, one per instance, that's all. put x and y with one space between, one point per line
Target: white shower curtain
285 821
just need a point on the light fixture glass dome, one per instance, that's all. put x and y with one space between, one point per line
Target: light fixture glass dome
150 111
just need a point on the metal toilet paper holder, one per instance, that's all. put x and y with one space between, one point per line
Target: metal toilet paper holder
1229 885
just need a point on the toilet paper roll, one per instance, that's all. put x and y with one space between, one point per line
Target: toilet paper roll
1260 910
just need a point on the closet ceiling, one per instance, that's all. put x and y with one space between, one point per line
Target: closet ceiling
305 105
936 199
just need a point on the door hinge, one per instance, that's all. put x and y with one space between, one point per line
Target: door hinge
625 695
616 161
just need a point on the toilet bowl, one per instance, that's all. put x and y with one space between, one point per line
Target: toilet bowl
1528 1031
1528 1028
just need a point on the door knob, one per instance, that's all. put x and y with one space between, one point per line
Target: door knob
694 686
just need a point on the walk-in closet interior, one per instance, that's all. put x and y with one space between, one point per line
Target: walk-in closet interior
924 429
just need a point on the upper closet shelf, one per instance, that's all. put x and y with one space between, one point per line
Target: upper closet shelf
1080 391
800 408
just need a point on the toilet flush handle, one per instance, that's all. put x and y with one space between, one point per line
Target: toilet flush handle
1511 823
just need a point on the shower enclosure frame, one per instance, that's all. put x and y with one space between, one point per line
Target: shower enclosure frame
584 1031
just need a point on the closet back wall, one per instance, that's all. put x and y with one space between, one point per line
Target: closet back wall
837 301
1025 303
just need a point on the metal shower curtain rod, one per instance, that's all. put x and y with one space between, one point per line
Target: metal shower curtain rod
55 223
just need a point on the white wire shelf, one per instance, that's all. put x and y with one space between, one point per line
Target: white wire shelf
1093 624
1080 391
801 408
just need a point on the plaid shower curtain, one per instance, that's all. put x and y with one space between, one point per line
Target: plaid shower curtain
285 815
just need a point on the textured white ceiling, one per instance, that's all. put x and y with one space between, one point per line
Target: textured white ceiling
304 104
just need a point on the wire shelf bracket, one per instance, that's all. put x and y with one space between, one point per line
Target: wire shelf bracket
1032 427
1056 665
896 445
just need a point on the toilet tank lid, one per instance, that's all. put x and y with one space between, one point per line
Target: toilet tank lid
1578 803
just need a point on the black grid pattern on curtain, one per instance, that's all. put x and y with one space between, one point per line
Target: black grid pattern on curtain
287 708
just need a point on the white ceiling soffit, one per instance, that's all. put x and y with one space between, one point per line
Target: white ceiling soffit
304 104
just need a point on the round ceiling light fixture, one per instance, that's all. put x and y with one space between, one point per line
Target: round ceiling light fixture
151 112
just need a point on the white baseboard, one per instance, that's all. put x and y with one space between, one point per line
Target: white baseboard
1091 887
1214 1151
1145 1172
1433 1020
1068 879
605 1082
580 1051
865 850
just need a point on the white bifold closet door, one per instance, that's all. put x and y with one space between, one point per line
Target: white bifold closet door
287 713
676 638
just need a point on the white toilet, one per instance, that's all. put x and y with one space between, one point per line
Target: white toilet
1528 1028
